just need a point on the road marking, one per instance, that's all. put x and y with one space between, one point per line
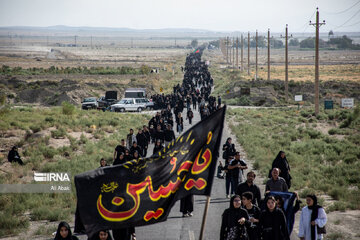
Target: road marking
191 235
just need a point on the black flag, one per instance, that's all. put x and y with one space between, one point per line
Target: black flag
142 191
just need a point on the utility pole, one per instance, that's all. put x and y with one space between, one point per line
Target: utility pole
286 64
131 42
256 56
233 49
75 39
230 51
242 53
269 54
227 50
248 53
237 52
91 42
317 26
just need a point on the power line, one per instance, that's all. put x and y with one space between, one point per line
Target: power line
306 25
348 20
333 13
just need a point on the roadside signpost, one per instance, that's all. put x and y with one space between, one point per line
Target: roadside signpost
347 102
299 100
328 104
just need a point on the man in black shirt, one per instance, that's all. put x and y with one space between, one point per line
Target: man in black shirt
169 134
235 166
250 186
120 149
135 148
159 134
142 142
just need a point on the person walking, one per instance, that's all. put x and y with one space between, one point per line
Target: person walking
312 220
190 115
275 183
272 222
250 186
254 215
179 123
234 221
282 164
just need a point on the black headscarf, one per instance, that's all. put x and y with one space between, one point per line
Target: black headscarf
58 236
232 201
314 214
107 231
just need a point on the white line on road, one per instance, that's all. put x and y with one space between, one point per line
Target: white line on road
191 235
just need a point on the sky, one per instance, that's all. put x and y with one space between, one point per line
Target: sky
215 15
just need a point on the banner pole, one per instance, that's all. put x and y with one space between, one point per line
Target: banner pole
204 218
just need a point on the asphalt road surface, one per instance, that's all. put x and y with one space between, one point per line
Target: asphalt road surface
188 228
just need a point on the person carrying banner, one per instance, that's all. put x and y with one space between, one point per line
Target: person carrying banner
235 221
169 134
64 232
158 147
187 206
103 163
312 219
254 215
120 149
272 222
276 183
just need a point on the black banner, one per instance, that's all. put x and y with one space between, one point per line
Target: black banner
142 191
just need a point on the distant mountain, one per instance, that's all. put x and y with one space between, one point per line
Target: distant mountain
101 29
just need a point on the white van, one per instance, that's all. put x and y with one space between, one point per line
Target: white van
130 104
135 93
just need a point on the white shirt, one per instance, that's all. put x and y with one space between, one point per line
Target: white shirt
305 225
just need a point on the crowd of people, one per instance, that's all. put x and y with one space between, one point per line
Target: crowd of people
192 95
251 217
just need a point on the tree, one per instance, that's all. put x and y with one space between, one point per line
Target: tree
294 42
274 43
310 43
194 43
331 34
343 42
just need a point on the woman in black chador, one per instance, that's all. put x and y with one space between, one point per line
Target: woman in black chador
14 156
187 205
272 222
64 232
235 220
281 163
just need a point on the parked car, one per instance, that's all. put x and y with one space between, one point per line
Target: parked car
149 104
89 103
130 104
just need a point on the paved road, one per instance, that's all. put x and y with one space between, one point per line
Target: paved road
179 228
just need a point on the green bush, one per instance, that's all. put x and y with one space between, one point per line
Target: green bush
58 133
68 108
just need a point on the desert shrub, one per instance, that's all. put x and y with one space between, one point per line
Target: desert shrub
58 133
68 108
